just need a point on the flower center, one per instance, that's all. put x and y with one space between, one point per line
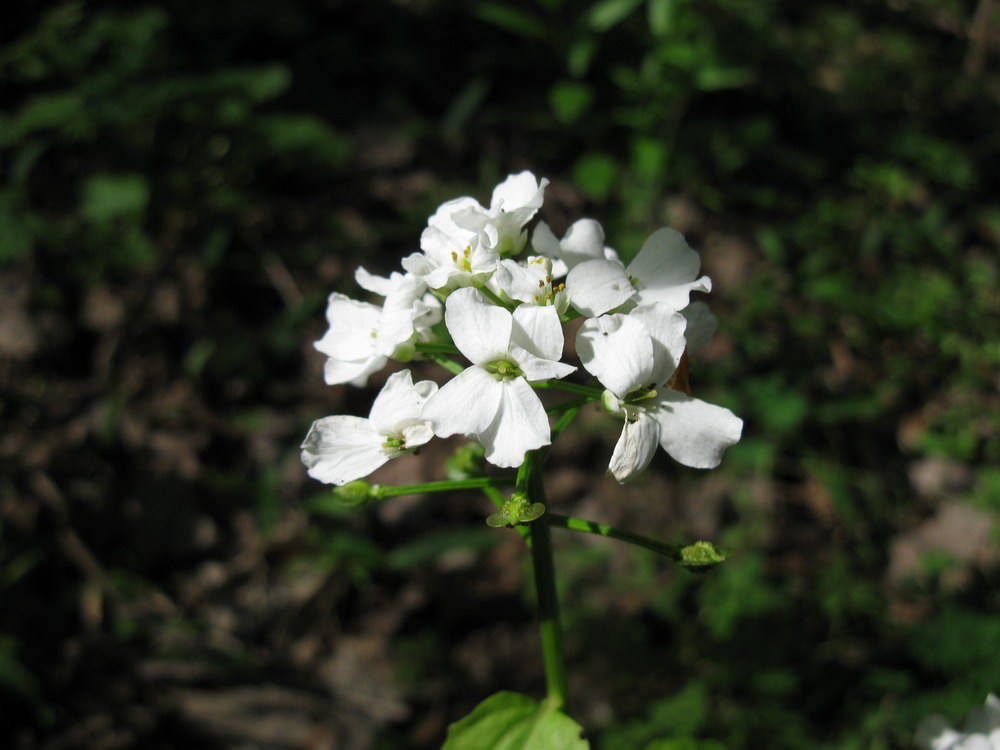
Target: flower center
629 407
394 444
463 262
503 369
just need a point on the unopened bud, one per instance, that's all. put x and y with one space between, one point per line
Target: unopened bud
701 556
357 492
465 462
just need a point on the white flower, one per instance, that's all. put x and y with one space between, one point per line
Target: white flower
362 336
340 449
665 270
584 240
529 281
633 356
982 730
491 400
514 203
464 241
451 256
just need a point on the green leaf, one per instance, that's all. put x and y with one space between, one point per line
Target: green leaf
306 134
108 197
649 157
714 79
515 21
569 100
609 13
595 174
511 721
661 16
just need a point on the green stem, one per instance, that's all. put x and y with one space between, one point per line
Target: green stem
548 614
529 480
380 492
603 529
560 385
572 405
449 364
433 347
494 298
563 422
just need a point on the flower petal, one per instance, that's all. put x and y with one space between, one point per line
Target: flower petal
544 242
584 241
398 401
666 329
536 368
520 425
635 447
352 325
618 351
693 432
366 280
417 434
665 270
481 331
596 286
520 190
538 330
340 449
356 372
465 405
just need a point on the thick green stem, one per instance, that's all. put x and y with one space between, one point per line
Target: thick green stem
529 480
549 623
380 492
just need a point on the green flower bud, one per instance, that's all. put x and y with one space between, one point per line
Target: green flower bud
357 492
466 462
701 556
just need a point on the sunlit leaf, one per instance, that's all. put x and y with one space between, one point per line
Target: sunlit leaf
511 721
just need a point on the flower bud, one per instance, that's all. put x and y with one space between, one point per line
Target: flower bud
701 556
357 492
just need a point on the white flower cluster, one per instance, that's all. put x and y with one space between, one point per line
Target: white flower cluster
506 317
982 730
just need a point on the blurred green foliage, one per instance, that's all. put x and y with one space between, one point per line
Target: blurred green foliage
837 163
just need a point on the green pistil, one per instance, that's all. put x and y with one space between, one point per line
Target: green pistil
394 444
503 369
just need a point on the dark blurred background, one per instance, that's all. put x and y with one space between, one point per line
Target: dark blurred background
181 185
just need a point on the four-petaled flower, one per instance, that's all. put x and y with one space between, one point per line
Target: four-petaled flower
492 400
340 449
634 357
665 270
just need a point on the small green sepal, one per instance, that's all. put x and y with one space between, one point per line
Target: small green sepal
701 556
357 492
518 509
